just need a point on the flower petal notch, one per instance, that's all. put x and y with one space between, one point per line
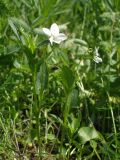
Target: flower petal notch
54 34
97 58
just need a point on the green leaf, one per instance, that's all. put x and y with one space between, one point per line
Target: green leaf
88 133
30 57
20 23
13 28
27 4
80 41
93 144
73 123
51 137
72 100
67 78
42 78
64 58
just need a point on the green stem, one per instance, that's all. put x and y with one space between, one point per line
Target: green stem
111 109
113 121
114 126
37 108
39 127
84 19
97 154
65 115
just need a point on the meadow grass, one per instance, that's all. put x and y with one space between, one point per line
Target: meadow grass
60 101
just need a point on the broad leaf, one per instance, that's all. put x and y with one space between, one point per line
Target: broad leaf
88 133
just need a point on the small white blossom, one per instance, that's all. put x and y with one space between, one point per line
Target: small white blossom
54 35
97 58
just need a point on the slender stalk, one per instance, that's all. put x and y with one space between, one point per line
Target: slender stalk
84 19
114 125
111 110
39 127
70 144
46 126
36 105
15 137
113 119
65 115
97 154
115 131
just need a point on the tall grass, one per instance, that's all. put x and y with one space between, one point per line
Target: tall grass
56 102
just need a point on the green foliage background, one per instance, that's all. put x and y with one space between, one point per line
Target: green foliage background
55 101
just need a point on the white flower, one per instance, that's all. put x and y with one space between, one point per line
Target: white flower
97 58
54 35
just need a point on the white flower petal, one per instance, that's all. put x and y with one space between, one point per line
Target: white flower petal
96 51
47 31
97 59
56 40
54 35
61 37
54 29
51 39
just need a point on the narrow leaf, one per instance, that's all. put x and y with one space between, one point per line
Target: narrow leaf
42 78
13 28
